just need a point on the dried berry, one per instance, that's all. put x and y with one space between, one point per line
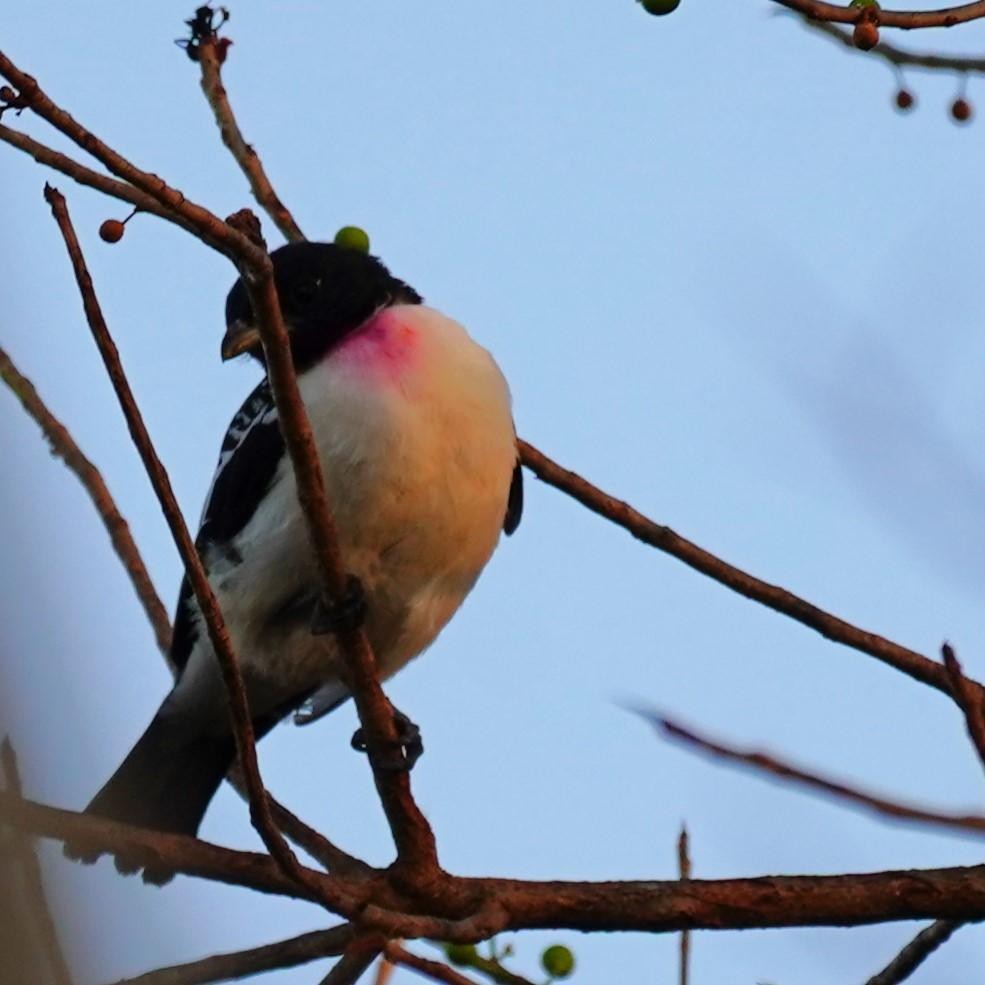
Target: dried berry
866 35
904 100
111 231
961 110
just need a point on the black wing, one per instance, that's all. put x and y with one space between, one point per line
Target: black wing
251 451
514 502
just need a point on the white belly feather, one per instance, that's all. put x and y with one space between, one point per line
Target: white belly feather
413 427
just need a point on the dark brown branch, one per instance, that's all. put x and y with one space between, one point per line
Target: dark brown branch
964 823
270 957
205 224
968 698
91 179
906 19
915 953
900 57
246 157
437 971
778 599
33 897
63 445
648 906
412 834
358 956
684 871
208 605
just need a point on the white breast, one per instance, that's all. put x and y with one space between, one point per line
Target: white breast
413 426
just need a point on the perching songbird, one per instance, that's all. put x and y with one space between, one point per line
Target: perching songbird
414 430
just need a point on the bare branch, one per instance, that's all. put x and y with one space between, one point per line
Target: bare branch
684 872
649 906
91 179
906 19
915 953
664 539
209 606
412 834
246 157
899 57
270 957
358 956
964 823
437 971
34 896
206 225
968 699
63 445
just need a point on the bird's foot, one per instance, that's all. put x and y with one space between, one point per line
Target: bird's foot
344 615
409 745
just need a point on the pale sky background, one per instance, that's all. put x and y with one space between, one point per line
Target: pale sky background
726 281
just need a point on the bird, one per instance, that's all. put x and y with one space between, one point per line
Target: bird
413 425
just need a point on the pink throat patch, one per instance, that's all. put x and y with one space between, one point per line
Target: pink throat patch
385 346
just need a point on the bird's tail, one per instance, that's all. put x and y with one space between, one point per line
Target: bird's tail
165 784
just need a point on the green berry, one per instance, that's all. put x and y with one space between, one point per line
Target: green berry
459 954
558 961
660 7
353 238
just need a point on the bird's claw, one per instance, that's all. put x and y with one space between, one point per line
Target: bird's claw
344 615
409 746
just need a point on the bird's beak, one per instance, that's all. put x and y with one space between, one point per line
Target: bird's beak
241 336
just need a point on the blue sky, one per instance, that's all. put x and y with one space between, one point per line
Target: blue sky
726 281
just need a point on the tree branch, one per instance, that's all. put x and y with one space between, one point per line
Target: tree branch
34 897
898 57
358 956
270 957
246 157
205 224
649 906
964 823
906 19
63 445
208 605
915 953
414 840
968 698
437 971
778 599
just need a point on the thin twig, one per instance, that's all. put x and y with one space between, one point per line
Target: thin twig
778 599
358 956
915 953
208 605
205 224
91 179
63 445
437 971
968 699
270 957
180 853
964 823
412 835
899 57
906 19
246 157
384 970
684 872
33 898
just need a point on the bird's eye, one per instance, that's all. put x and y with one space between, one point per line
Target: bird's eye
305 290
